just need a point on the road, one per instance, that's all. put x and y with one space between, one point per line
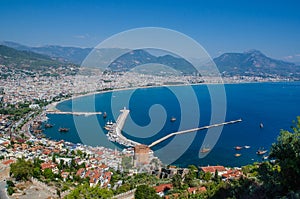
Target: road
3 194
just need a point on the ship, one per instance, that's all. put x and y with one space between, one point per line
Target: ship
261 125
108 125
63 129
265 157
173 119
261 152
238 148
247 147
204 150
104 115
237 155
48 125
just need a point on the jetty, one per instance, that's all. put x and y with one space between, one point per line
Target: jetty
191 130
115 133
73 113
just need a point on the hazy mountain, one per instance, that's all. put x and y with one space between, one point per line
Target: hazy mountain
27 60
135 58
254 63
69 54
247 63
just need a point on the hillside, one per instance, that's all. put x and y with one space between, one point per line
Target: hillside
254 63
69 54
30 61
135 58
249 63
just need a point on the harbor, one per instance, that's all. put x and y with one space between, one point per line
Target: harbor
191 130
73 113
115 132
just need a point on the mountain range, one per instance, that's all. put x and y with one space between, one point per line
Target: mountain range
247 63
254 62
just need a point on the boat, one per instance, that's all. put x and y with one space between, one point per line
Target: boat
247 147
108 125
237 155
238 147
261 152
48 125
261 125
173 119
265 157
204 150
104 115
63 129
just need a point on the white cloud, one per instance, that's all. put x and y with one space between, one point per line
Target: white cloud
289 57
85 36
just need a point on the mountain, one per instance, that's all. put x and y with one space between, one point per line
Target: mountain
254 62
135 58
29 61
248 63
68 54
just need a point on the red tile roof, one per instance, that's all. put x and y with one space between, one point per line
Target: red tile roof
163 187
196 189
213 169
8 162
48 165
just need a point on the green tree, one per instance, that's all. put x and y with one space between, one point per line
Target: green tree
85 191
21 169
286 152
10 190
189 177
145 192
48 173
207 176
36 172
177 181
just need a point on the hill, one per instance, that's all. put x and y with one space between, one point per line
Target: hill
255 63
135 58
29 61
68 54
249 63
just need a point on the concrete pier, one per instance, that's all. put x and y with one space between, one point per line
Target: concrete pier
191 130
115 133
73 113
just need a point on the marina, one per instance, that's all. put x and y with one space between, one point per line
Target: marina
115 132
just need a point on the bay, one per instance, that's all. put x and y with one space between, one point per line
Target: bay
275 105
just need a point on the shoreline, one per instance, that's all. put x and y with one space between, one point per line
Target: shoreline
53 106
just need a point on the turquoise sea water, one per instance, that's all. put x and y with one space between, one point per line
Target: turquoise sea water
273 104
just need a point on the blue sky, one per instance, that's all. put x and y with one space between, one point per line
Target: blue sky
219 26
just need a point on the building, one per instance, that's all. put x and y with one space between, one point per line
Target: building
141 155
212 169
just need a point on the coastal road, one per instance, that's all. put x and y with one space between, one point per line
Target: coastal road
3 194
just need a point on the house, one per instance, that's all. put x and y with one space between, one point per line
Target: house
194 190
8 162
162 189
49 165
232 174
64 175
212 169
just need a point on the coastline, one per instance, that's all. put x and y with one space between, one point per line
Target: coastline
53 106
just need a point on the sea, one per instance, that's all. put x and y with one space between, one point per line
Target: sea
265 109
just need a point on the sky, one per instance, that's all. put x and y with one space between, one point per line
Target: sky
271 26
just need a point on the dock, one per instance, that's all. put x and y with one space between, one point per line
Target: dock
73 113
191 130
115 133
